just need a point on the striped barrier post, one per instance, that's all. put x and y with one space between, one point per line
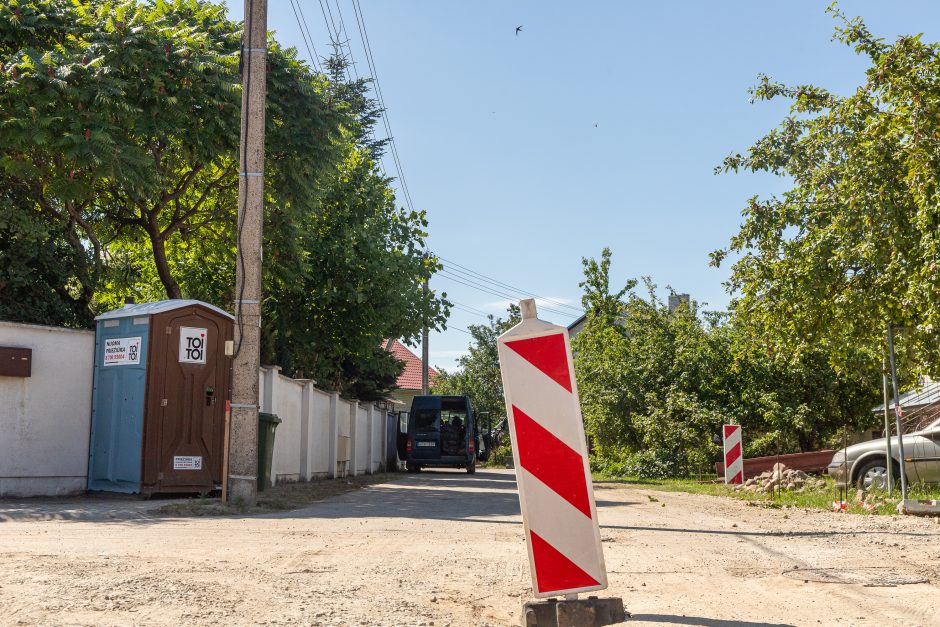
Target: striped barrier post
734 457
550 453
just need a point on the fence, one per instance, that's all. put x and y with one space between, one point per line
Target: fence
320 435
45 418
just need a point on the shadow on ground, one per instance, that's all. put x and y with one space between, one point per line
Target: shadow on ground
700 621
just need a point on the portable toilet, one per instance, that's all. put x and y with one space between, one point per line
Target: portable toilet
162 378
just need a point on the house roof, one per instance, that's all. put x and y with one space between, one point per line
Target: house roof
410 377
924 395
148 309
577 322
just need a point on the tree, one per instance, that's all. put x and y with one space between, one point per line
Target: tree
119 128
657 384
478 376
36 266
855 242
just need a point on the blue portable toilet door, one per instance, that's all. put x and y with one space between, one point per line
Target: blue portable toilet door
121 350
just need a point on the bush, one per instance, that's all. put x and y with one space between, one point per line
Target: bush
501 455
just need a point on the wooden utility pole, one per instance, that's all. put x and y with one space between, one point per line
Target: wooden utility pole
243 441
424 347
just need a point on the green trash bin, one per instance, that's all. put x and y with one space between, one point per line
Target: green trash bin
267 423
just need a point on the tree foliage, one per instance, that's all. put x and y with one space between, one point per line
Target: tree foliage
855 243
119 130
478 374
657 384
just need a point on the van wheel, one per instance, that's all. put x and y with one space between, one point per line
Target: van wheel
471 467
413 467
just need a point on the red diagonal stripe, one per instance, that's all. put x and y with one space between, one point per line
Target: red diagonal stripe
733 455
738 478
551 461
554 571
730 429
548 354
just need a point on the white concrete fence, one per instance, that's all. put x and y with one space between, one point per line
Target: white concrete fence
45 420
320 435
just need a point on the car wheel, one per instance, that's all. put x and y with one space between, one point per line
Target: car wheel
874 476
413 467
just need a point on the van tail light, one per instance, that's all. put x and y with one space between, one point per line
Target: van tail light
408 445
472 447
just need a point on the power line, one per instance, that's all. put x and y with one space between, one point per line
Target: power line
465 310
370 60
346 38
329 22
473 274
470 309
311 48
493 291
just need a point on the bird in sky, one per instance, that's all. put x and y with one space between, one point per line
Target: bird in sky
518 30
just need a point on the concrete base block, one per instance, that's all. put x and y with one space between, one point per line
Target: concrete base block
919 507
589 612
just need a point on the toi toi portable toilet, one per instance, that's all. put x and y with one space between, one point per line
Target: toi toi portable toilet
161 381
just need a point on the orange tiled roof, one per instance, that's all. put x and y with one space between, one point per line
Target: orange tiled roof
410 378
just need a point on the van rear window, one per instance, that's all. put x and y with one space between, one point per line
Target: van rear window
426 420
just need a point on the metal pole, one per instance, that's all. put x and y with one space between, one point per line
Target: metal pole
888 459
243 447
897 411
424 347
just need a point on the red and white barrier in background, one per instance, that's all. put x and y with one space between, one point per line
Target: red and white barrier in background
734 456
550 452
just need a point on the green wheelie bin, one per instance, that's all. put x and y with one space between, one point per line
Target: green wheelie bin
267 423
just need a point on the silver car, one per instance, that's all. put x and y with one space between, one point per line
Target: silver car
864 464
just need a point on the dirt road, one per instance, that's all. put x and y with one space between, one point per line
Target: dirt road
446 548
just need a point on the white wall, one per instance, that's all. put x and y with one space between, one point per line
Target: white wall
45 419
303 446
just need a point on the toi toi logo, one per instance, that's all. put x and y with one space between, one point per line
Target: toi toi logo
196 348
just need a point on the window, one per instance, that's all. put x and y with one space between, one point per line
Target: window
426 420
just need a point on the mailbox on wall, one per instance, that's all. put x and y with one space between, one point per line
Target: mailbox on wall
16 362
161 381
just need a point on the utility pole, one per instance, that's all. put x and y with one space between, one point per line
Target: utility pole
897 411
888 458
424 346
243 442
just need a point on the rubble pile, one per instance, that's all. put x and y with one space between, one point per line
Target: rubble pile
783 478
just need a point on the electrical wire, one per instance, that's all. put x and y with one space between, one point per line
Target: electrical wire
463 280
470 309
370 60
500 284
311 48
488 290
242 165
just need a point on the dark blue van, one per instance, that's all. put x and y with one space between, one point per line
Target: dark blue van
441 432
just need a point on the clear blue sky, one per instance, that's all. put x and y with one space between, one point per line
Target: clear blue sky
497 136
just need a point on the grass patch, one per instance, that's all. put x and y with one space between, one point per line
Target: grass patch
821 498
282 497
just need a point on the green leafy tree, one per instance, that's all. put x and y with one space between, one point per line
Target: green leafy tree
855 243
119 130
657 384
478 374
37 276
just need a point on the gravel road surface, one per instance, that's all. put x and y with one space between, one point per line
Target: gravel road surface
445 548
